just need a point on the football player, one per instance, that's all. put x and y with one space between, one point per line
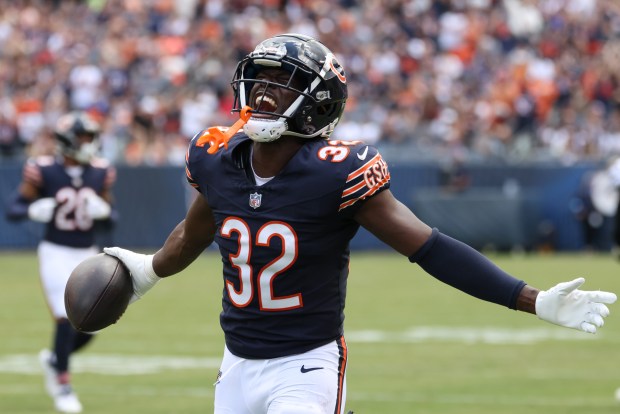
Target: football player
613 173
282 200
68 192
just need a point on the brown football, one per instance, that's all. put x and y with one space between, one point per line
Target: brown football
97 293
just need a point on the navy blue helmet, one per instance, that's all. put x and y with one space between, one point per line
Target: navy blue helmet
77 135
321 98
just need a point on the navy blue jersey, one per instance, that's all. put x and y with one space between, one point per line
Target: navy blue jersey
70 226
285 244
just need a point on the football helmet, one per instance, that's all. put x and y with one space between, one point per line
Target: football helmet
320 100
77 135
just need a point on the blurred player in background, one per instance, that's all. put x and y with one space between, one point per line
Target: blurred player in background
595 207
69 193
613 196
283 201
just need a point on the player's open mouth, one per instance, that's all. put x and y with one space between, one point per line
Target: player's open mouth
264 103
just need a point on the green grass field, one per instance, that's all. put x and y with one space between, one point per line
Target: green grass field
415 345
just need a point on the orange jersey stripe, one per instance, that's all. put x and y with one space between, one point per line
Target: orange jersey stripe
353 189
367 194
363 168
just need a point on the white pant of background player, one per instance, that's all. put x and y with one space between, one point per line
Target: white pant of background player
307 383
56 263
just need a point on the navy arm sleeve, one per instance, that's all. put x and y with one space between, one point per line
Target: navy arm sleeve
462 267
17 209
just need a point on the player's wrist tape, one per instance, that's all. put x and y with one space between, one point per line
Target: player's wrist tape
140 267
144 280
148 268
149 277
462 267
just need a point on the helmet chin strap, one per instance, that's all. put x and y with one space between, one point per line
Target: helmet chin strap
268 130
265 130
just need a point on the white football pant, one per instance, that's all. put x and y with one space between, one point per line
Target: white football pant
56 263
310 383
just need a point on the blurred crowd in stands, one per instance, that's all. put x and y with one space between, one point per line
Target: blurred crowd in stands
469 80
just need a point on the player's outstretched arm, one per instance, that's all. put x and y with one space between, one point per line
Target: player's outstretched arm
184 244
187 241
464 268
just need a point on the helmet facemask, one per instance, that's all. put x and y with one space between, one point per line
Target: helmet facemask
307 69
77 136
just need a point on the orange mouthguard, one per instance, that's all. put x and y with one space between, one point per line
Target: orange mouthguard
217 136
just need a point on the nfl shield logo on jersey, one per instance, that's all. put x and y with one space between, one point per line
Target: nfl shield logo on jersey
255 200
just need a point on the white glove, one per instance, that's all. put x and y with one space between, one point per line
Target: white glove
96 207
565 305
140 267
42 210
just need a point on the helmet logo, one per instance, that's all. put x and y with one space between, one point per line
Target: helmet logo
255 200
336 67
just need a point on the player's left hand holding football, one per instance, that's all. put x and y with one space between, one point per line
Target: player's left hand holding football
566 305
140 267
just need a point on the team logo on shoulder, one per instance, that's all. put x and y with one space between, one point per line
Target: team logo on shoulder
255 200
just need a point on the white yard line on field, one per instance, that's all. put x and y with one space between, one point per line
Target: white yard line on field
142 364
110 364
490 335
588 403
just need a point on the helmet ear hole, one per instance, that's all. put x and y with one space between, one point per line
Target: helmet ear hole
325 110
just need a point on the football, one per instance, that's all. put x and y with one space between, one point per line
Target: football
97 293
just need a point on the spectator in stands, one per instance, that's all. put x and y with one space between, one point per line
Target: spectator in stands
508 68
10 145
